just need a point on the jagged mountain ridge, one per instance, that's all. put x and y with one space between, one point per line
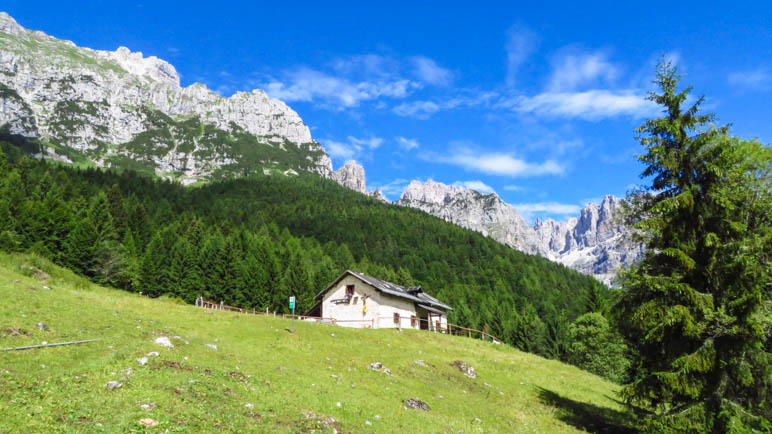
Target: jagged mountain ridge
593 243
120 109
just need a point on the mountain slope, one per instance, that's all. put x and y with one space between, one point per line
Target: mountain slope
292 382
120 109
251 242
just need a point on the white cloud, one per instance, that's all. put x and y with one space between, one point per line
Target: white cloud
529 210
339 150
476 185
495 163
428 71
418 109
407 144
353 148
424 109
304 84
347 82
514 188
590 105
520 44
372 142
571 71
758 79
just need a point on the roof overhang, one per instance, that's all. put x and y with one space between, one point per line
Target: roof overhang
335 282
429 308
416 294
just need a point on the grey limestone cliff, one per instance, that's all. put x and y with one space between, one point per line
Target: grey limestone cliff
119 108
351 175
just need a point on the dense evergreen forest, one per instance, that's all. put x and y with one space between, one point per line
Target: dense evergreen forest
253 242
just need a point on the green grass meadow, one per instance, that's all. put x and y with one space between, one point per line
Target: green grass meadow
293 382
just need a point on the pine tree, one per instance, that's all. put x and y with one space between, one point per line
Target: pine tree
594 346
692 306
296 282
184 274
117 211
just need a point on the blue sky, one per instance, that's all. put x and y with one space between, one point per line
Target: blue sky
535 102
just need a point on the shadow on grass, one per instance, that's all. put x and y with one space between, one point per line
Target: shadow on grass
588 417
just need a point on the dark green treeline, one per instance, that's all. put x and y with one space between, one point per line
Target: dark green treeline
253 242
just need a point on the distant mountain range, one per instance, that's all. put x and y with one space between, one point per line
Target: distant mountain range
593 243
118 109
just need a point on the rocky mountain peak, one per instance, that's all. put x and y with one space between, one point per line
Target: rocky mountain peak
592 243
9 25
378 194
122 109
432 192
351 175
152 66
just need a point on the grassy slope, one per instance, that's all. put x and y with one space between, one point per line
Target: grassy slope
286 375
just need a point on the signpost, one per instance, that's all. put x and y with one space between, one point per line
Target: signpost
292 306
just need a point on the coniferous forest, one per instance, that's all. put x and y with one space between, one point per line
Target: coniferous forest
255 241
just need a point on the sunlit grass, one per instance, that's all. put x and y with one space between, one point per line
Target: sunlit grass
284 376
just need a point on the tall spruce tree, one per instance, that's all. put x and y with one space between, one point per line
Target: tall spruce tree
692 306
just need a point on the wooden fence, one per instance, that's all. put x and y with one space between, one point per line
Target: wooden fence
447 328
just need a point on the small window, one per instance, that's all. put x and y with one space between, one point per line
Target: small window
356 299
349 291
412 321
396 317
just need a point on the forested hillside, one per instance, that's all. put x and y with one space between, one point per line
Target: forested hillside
253 242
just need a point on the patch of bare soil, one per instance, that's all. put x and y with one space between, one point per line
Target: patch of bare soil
13 331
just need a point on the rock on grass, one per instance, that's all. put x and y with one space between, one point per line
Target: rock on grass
164 341
468 370
416 404
150 423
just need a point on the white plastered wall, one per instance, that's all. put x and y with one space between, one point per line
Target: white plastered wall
380 307
350 314
390 304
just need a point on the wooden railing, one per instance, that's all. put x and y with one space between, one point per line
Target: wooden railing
446 328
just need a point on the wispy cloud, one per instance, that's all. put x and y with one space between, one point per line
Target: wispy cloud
347 82
572 70
339 150
407 144
372 142
531 210
353 147
521 42
513 188
420 109
757 79
593 104
305 84
476 185
494 163
428 71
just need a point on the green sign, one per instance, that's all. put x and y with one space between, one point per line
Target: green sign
292 303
